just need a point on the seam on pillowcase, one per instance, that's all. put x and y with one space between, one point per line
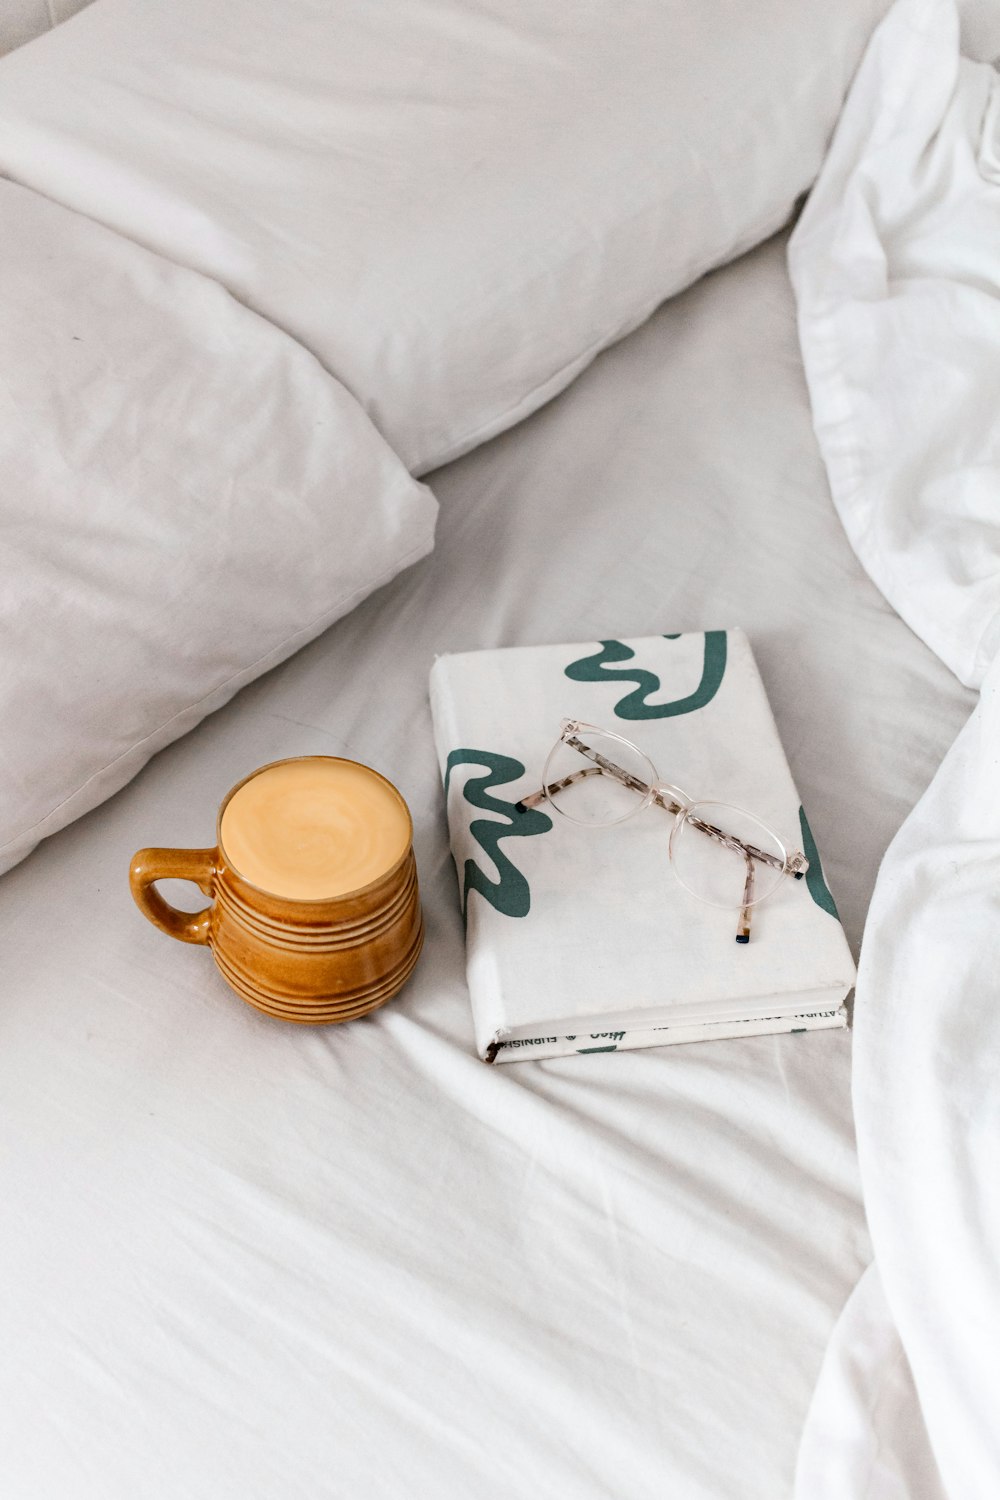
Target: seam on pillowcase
335 612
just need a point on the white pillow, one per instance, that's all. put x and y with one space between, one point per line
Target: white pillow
454 206
185 498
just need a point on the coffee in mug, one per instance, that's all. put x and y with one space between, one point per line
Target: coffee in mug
315 913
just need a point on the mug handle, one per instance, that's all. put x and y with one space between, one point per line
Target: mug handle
150 865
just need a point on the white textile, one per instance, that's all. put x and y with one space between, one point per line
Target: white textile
864 1435
453 206
255 1262
896 263
186 497
927 1112
21 20
895 267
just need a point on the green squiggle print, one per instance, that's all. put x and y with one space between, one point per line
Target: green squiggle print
510 894
634 705
818 888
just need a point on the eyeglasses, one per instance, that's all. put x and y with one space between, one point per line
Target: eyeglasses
706 839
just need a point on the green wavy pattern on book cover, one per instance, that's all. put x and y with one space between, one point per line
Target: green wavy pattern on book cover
635 705
815 881
510 893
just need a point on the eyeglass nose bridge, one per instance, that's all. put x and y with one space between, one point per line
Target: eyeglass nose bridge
672 798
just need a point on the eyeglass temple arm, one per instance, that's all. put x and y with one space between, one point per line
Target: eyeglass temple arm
794 863
743 929
601 766
556 786
597 770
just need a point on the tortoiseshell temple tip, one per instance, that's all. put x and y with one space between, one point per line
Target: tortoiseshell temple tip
743 937
799 874
520 807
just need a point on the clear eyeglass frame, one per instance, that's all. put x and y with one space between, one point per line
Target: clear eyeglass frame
621 781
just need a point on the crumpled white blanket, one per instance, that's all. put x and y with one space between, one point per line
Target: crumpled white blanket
896 267
914 1365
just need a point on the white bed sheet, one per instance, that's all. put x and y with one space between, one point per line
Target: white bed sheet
247 1260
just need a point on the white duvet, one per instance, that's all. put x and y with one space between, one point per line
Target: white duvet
896 264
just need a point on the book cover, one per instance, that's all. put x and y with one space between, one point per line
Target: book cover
576 931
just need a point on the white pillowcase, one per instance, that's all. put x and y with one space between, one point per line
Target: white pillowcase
185 498
453 206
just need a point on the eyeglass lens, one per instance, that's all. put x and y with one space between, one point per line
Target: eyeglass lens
708 847
597 778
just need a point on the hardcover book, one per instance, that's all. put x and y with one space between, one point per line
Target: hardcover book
654 922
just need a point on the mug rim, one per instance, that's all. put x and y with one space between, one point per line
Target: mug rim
312 900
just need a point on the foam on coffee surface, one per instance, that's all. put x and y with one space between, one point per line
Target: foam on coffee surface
314 828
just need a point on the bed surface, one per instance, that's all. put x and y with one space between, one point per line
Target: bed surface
248 1260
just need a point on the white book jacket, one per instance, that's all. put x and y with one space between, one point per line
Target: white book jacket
575 931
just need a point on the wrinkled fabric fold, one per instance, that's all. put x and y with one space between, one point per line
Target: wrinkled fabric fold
896 268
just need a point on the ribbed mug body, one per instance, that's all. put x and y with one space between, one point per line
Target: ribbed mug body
313 961
317 961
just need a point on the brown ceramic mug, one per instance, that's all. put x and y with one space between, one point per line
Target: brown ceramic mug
315 914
